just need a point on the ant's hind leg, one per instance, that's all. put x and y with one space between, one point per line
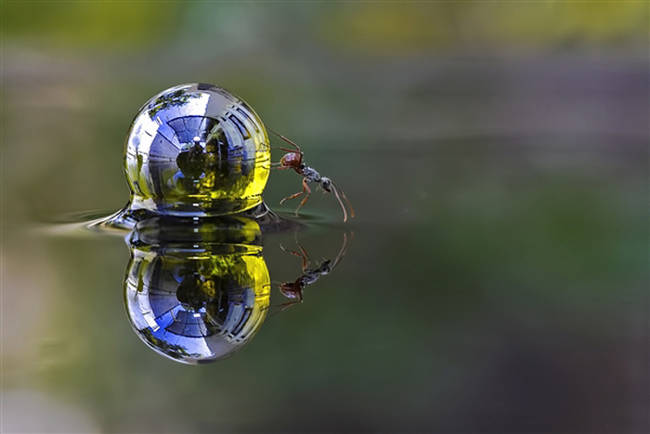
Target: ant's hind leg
293 151
295 145
287 305
284 306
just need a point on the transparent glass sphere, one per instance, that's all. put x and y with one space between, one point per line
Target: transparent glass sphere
196 150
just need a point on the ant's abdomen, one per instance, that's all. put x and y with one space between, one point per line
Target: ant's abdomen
196 150
291 159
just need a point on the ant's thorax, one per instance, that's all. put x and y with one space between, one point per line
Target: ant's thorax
310 174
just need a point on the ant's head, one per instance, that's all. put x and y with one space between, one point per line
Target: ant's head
326 183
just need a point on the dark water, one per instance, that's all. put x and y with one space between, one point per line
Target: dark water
491 284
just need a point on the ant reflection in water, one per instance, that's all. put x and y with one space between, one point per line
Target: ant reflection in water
293 290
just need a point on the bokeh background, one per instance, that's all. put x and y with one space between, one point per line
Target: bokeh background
497 156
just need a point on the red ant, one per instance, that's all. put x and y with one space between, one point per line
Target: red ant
293 160
293 290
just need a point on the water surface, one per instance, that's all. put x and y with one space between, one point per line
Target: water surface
490 282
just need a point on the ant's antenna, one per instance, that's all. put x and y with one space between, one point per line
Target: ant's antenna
345 213
347 201
342 251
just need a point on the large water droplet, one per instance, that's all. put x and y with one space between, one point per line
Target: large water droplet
196 150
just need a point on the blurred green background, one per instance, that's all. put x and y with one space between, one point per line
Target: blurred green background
496 153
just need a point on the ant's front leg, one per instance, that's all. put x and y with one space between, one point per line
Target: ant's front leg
293 196
305 258
305 189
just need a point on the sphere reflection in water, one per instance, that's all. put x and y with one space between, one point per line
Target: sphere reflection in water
196 150
196 302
